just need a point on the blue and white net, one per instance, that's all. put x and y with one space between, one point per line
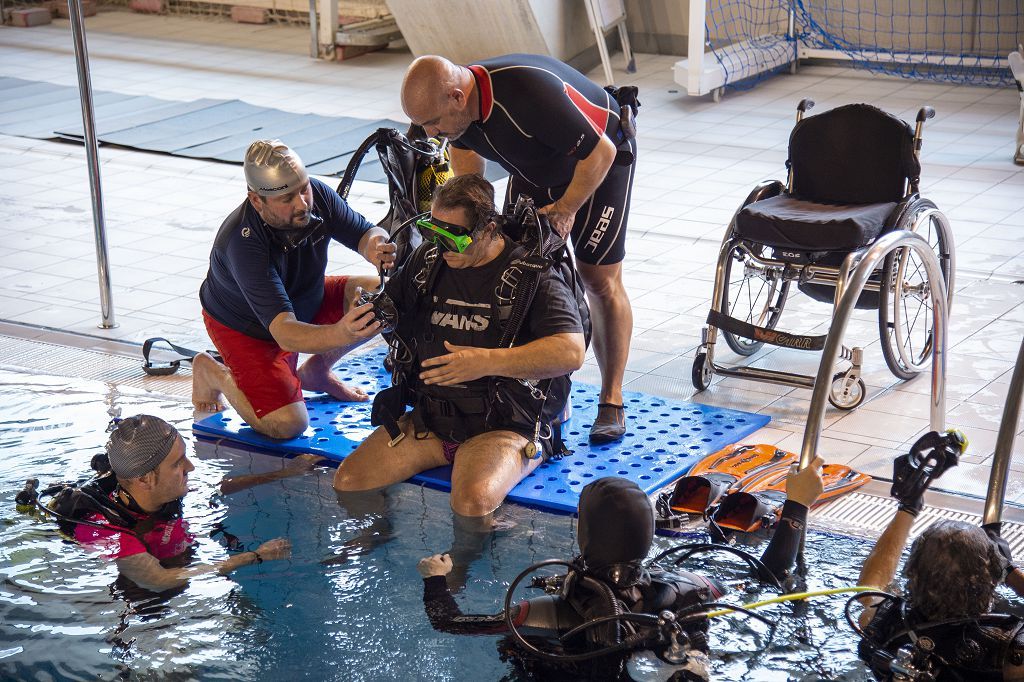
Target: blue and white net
748 39
961 41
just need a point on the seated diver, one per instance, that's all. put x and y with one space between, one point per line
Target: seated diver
132 511
942 628
484 387
615 532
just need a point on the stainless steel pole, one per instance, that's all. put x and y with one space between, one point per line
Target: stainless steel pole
1004 444
92 157
843 311
314 30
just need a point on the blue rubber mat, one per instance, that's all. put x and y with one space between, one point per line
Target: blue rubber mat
664 438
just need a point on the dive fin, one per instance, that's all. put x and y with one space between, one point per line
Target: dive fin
716 474
758 502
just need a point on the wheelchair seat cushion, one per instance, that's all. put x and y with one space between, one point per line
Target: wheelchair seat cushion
788 222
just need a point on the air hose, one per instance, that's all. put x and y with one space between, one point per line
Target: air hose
794 596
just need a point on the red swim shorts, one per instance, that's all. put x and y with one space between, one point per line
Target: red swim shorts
263 371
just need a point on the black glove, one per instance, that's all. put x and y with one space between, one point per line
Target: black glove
929 458
993 530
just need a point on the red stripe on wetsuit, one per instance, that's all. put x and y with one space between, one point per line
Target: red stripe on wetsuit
483 81
597 116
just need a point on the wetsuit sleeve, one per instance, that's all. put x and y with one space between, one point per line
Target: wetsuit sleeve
446 616
343 224
780 555
260 284
555 113
554 310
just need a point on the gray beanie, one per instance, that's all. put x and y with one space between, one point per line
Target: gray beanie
138 444
272 169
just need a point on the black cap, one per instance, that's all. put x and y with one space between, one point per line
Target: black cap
616 523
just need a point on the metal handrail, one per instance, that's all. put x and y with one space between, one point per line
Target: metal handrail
92 157
1004 444
844 309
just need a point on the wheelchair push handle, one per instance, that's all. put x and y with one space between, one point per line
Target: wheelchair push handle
925 113
806 104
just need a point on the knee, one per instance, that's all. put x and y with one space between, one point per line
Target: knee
342 479
346 480
475 499
283 429
603 284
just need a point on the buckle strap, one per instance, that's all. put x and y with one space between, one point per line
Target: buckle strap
168 368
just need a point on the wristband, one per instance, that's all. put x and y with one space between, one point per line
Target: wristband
912 510
259 559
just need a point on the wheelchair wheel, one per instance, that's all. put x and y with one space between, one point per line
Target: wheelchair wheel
905 307
754 294
701 373
846 395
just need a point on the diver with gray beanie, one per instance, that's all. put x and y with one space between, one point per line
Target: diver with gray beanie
132 511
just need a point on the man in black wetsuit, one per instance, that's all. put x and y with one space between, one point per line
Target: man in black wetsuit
265 298
616 531
952 573
560 136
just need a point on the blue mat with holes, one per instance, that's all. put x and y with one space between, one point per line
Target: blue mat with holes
663 440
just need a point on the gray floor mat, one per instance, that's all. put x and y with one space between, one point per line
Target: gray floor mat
219 130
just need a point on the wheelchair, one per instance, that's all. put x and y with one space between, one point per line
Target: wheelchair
853 177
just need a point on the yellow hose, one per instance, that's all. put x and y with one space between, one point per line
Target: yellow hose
795 596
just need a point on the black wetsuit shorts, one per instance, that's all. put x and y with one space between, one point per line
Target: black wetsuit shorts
599 231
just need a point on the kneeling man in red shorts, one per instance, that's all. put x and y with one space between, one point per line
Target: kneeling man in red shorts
266 299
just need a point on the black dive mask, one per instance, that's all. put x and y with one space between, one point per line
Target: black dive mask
292 238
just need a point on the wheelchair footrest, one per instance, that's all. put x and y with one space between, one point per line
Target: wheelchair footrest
763 334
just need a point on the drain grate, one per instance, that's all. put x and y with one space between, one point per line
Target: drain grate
67 361
865 515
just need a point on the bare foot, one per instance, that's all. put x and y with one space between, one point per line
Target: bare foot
205 395
326 382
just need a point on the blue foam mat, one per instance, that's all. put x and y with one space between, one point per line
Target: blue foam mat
664 438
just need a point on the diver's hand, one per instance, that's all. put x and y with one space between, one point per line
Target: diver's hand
380 252
306 462
931 456
436 564
461 365
278 548
357 325
911 498
804 485
561 219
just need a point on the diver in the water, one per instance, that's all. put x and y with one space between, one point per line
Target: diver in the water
131 512
610 578
943 628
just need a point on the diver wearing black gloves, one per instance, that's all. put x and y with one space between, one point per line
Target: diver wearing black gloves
633 607
943 628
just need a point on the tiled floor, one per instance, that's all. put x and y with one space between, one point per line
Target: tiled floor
698 160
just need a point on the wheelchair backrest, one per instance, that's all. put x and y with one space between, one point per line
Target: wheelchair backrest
853 154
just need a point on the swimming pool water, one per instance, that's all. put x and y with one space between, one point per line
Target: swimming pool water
337 610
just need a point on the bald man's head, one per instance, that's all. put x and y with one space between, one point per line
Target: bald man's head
440 96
